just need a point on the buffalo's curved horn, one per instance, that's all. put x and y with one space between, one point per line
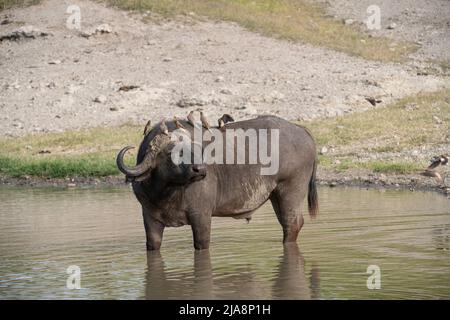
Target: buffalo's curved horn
136 171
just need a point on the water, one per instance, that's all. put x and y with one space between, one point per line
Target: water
44 231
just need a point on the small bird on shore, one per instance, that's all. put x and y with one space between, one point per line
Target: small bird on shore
163 127
178 124
191 118
147 127
224 119
204 121
439 160
435 162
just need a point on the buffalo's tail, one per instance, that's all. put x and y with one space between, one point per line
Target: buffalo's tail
313 200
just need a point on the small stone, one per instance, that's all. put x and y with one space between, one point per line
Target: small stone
71 185
392 26
415 153
51 85
103 28
55 62
323 150
219 79
190 102
437 120
113 109
226 91
167 59
340 127
100 99
349 22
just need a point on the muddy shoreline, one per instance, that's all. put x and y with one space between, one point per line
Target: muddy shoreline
352 178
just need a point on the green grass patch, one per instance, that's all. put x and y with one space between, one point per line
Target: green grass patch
394 167
84 153
58 167
287 19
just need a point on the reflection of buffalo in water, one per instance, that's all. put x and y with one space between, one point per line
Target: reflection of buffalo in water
290 282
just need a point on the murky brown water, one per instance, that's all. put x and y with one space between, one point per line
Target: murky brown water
44 231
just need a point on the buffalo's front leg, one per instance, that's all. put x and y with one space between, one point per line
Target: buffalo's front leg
201 229
153 230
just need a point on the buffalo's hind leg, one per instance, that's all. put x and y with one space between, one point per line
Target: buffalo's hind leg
154 231
286 202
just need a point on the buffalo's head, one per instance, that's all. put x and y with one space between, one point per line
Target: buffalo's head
158 163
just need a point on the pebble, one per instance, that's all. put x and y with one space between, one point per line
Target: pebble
437 120
226 91
323 150
349 22
392 26
100 99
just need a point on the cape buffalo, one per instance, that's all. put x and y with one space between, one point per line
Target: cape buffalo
173 195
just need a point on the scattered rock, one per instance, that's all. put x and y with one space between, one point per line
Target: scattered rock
100 99
127 88
226 91
113 109
437 120
219 79
349 22
25 32
323 150
190 102
70 90
71 185
51 85
392 26
55 62
167 59
44 152
103 28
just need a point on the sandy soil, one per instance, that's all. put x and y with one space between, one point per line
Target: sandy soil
425 22
68 81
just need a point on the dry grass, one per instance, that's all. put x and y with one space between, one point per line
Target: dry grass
6 4
288 19
403 126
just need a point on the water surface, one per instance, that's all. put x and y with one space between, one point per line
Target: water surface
44 231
